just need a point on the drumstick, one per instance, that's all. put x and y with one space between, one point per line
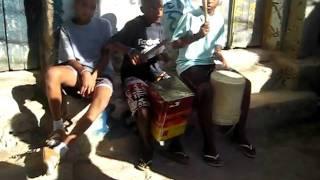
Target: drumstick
205 8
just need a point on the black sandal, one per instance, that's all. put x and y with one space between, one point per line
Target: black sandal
177 156
143 165
55 138
248 150
214 161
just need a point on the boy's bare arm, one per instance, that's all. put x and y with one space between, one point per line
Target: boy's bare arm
186 40
165 57
76 65
134 54
218 53
87 80
103 63
117 46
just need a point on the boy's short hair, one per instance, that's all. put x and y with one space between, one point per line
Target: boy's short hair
145 2
199 2
79 0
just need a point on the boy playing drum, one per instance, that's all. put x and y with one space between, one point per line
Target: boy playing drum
137 37
198 41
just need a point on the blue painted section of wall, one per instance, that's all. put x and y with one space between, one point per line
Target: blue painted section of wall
58 13
173 10
4 66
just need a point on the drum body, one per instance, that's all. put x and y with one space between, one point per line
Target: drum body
172 106
228 87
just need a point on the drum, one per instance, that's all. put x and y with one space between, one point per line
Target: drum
229 88
172 106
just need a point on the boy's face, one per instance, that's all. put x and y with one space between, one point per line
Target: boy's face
85 9
153 10
212 4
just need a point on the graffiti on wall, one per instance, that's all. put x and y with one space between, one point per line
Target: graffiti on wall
276 23
243 19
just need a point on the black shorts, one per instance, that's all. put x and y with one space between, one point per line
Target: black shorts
100 82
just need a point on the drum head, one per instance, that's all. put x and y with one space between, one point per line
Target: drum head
228 77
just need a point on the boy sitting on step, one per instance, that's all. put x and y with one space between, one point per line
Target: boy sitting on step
84 69
136 40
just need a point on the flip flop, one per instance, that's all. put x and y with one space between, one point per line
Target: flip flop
55 138
51 160
177 156
214 161
248 150
142 165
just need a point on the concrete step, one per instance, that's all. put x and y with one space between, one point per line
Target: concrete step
267 70
278 108
24 109
20 110
309 74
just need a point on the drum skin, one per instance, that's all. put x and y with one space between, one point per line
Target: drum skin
228 88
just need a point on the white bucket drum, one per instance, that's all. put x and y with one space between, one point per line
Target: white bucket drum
229 87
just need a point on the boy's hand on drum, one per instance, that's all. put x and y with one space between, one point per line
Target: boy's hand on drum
204 30
225 65
220 56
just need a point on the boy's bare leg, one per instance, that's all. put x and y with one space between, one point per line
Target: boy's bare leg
240 130
240 135
55 77
197 79
100 100
143 120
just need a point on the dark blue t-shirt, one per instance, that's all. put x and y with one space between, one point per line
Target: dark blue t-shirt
141 35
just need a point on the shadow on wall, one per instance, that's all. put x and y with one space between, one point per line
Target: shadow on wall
256 38
310 79
311 34
33 12
112 18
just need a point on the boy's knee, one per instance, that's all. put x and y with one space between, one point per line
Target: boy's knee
51 74
143 114
102 98
91 117
204 89
204 93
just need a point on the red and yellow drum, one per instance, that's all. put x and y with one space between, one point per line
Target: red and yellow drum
172 104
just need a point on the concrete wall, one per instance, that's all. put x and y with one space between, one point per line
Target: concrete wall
3 47
311 32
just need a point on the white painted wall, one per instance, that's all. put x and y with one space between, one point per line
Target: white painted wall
124 10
